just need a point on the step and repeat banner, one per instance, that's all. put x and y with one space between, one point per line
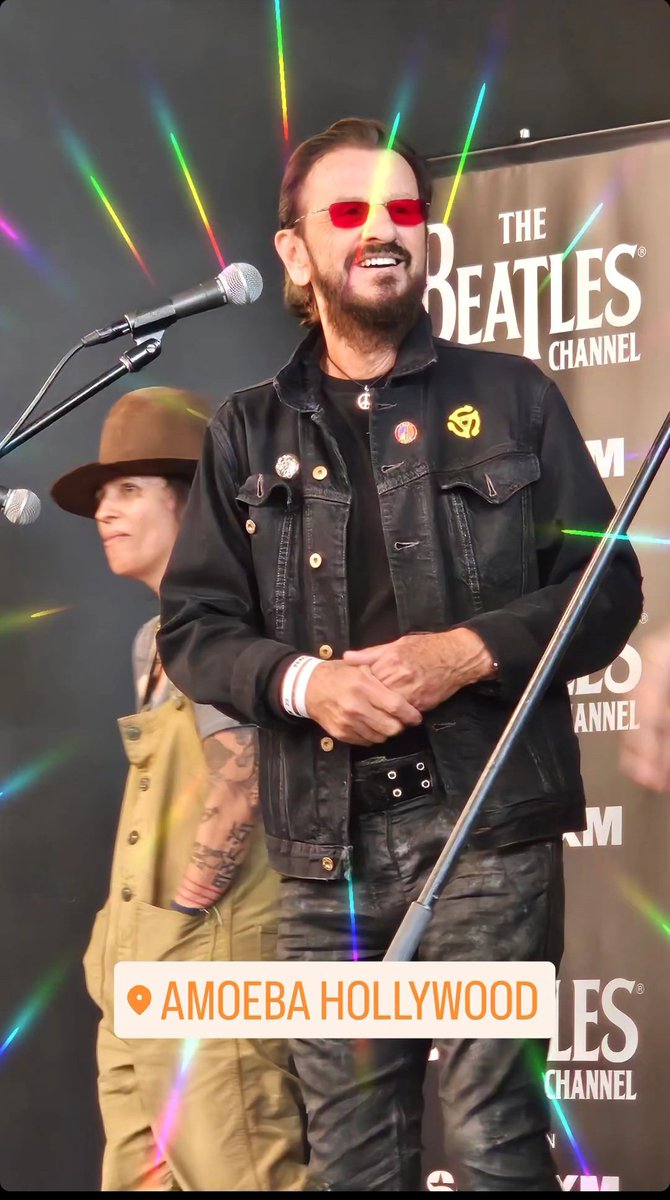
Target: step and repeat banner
559 251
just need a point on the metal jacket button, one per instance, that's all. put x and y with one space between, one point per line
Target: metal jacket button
133 837
320 472
327 744
126 893
250 526
327 864
325 651
132 733
315 560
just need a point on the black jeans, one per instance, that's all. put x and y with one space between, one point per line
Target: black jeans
364 1100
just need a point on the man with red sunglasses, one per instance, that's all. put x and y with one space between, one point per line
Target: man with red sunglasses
369 568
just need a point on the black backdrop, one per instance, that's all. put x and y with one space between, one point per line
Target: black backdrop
92 66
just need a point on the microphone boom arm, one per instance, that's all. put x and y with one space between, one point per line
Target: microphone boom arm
145 349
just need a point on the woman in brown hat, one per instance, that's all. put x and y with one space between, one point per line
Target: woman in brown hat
190 878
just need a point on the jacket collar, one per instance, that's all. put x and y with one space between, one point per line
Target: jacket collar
298 382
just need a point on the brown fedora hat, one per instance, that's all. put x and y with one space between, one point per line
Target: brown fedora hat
153 431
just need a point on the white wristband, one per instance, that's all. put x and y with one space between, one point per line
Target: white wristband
300 686
288 683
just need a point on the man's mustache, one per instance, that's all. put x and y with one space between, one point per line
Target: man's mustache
378 250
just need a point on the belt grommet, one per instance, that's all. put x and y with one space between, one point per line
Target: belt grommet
420 766
392 774
425 783
397 792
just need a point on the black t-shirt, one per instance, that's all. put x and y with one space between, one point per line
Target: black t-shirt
373 616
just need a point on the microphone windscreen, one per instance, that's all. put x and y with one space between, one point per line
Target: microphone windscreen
21 506
241 283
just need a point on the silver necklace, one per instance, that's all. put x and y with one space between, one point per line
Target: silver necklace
364 398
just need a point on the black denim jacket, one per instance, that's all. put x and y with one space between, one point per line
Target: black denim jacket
472 512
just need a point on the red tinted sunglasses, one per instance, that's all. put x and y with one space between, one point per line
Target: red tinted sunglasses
349 214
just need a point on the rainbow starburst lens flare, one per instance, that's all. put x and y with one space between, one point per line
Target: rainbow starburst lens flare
18 240
198 202
9 622
24 778
35 1004
352 918
535 1062
11 233
645 905
121 227
393 132
645 539
166 120
464 154
282 73
589 221
171 1112
377 187
84 166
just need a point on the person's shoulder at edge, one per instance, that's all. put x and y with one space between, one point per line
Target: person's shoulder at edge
237 401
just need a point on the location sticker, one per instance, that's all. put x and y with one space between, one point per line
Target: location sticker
139 998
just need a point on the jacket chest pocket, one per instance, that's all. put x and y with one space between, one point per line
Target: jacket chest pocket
273 507
484 510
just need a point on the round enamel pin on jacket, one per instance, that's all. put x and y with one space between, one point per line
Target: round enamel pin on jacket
287 466
405 433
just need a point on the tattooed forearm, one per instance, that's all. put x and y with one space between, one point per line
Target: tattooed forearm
230 851
228 818
232 756
209 812
225 875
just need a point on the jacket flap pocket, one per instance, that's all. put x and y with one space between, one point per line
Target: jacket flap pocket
494 479
261 490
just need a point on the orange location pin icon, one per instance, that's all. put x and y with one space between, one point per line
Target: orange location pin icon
139 998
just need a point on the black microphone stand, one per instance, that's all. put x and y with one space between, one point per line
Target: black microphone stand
143 351
417 918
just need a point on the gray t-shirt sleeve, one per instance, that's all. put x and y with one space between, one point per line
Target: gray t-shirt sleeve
141 665
208 720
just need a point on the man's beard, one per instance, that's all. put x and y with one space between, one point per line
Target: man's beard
365 322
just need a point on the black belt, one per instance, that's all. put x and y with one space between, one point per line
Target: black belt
381 783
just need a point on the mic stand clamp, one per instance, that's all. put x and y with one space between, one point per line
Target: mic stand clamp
145 349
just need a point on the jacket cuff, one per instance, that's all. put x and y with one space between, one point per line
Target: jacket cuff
275 682
255 682
513 648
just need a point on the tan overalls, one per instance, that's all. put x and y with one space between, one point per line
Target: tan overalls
234 1121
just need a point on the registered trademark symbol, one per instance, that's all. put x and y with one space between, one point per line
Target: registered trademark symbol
641 250
644 618
639 988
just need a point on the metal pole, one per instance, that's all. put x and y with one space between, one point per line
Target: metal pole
417 918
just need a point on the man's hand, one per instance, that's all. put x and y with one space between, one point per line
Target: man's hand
645 752
427 668
355 707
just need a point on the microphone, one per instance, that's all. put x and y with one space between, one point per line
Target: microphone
240 283
19 506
